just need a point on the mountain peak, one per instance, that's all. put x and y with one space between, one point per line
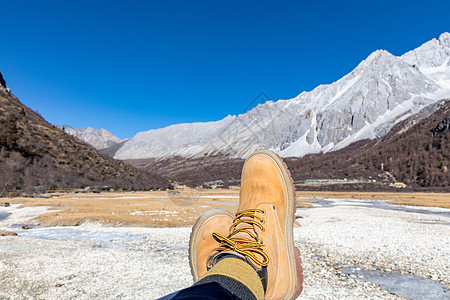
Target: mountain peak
98 138
431 54
444 39
379 53
375 58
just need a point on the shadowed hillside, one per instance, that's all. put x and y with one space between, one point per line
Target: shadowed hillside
34 152
205 171
417 152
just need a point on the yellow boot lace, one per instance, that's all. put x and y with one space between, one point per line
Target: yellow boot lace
248 247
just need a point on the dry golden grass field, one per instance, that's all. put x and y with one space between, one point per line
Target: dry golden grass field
177 208
417 198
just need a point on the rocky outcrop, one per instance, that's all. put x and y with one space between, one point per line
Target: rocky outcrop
442 127
7 233
2 80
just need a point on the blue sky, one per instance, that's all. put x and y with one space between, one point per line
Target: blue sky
130 66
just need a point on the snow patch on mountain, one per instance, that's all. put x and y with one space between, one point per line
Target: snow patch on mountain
433 60
173 140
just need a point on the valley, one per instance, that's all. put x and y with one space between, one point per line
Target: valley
125 127
352 245
177 208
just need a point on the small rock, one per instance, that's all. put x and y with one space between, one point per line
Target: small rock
40 189
26 226
7 233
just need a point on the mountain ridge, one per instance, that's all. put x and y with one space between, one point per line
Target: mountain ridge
366 103
415 151
98 138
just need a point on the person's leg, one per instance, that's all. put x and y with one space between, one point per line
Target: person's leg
257 258
235 274
230 277
230 284
262 230
206 291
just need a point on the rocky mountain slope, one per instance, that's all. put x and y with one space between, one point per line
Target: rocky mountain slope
34 152
98 138
415 151
380 92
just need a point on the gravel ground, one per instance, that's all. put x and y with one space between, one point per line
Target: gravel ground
369 237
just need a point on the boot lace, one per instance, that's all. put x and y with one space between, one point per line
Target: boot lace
250 247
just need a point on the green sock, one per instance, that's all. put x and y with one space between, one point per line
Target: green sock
237 276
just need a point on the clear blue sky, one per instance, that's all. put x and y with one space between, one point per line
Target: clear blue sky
130 66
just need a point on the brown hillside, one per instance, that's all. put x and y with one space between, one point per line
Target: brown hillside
34 152
417 153
194 172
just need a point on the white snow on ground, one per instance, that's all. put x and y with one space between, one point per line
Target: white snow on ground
125 197
153 213
13 215
373 235
92 261
220 196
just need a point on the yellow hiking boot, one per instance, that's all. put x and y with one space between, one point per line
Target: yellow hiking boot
262 230
202 242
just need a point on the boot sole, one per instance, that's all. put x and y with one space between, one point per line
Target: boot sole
194 237
296 279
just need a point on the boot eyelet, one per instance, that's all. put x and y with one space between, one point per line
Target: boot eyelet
262 221
263 229
263 212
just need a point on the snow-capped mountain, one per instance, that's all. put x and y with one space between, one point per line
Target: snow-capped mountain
366 103
98 138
